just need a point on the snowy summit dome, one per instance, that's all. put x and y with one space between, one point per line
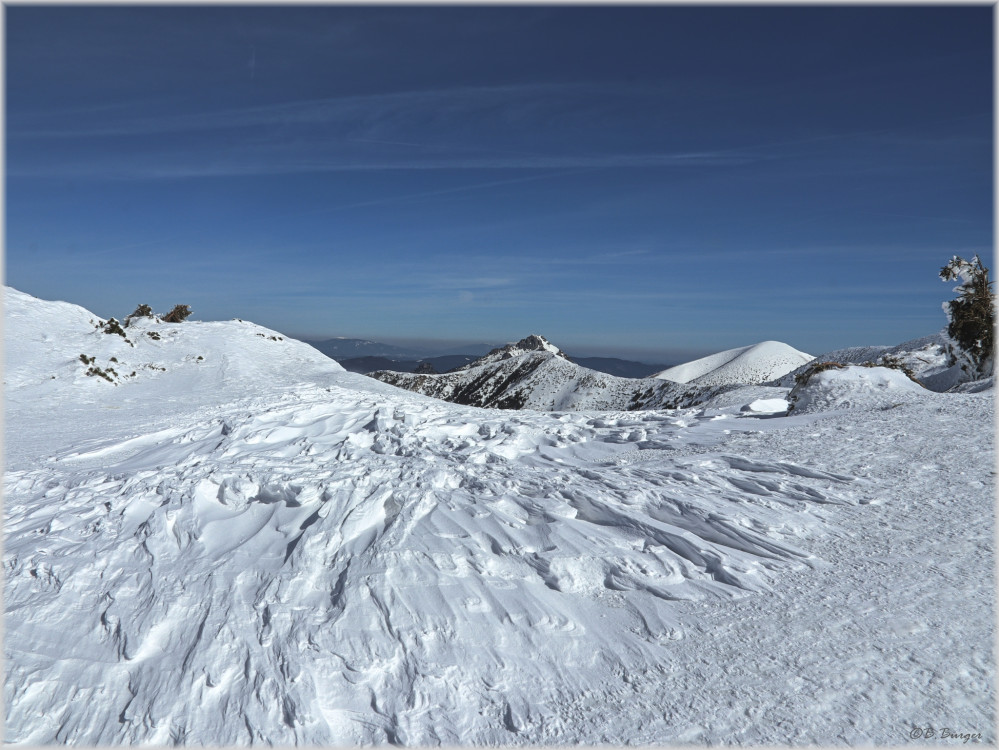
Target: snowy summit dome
757 363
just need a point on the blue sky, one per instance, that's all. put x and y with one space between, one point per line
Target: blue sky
618 179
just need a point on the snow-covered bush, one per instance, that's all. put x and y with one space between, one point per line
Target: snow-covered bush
814 368
113 326
893 362
886 361
971 316
179 314
142 311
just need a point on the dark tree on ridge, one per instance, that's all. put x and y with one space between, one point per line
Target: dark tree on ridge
971 316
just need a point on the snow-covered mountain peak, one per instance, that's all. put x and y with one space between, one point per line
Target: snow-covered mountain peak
537 342
754 364
535 374
533 343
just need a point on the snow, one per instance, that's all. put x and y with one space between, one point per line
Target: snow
42 347
260 547
757 363
852 387
767 405
926 357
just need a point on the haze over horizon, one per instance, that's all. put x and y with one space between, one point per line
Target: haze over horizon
434 347
619 179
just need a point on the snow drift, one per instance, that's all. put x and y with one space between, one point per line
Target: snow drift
851 387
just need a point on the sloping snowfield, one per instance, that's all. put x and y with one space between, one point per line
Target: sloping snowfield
256 546
753 364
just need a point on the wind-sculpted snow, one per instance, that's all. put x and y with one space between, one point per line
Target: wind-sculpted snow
349 569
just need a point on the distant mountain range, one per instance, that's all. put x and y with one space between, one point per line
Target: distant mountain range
535 374
769 363
343 348
622 368
440 364
363 356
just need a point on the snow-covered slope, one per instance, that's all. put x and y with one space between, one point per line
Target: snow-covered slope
49 347
754 364
926 357
51 336
259 547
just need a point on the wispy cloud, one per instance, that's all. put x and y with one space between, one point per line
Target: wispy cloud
353 112
455 128
155 169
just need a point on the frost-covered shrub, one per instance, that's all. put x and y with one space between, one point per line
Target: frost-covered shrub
179 314
142 311
971 317
816 367
103 373
897 363
113 326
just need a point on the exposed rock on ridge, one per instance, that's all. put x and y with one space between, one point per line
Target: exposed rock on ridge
535 374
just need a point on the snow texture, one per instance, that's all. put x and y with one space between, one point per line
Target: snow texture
242 543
